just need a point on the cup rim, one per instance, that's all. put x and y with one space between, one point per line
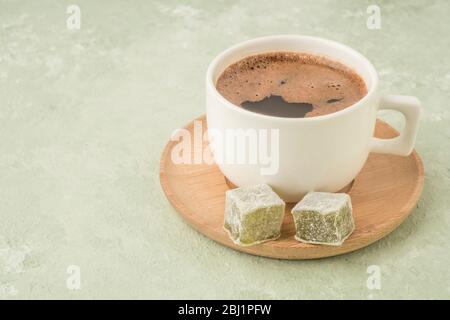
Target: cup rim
213 65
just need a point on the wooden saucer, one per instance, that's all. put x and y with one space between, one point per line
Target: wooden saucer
383 195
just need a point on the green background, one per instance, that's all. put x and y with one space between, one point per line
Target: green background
85 114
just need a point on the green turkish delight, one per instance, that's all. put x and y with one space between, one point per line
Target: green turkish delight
253 214
323 218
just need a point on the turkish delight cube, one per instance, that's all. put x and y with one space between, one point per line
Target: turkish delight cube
253 214
323 218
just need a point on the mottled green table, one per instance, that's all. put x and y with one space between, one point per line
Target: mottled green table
85 113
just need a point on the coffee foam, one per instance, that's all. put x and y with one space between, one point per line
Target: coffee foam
327 85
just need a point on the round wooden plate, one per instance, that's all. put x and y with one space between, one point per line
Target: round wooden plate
383 195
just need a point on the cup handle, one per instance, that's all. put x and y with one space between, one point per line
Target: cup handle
404 143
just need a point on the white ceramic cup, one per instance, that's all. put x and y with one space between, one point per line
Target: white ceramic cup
323 153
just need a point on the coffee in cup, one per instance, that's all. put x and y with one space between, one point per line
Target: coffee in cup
291 84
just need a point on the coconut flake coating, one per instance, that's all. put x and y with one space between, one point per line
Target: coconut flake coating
323 218
253 214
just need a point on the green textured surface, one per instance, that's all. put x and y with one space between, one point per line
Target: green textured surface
84 116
